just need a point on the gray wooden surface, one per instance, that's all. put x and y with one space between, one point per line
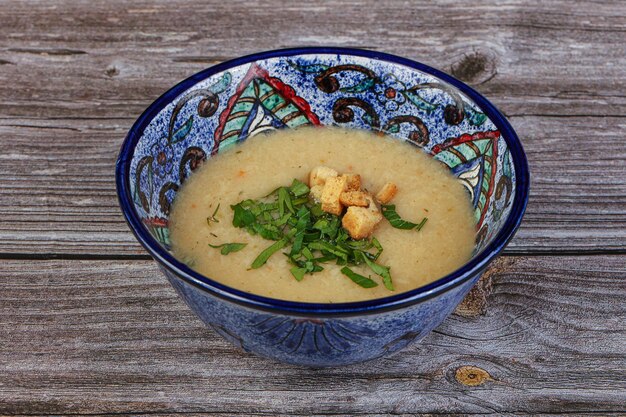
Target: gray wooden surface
89 327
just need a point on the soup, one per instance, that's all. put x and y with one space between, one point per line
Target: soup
423 220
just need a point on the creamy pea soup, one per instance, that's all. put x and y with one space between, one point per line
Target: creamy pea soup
202 218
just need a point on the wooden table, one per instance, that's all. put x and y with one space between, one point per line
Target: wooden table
88 326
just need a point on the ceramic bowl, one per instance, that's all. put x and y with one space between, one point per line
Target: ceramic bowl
220 106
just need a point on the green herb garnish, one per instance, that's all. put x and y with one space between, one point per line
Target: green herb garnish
289 218
229 247
242 217
359 279
298 273
212 218
421 224
268 252
389 211
298 188
382 271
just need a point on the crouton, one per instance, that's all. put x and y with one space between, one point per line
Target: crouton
354 182
372 205
354 198
331 194
316 192
360 222
387 193
319 175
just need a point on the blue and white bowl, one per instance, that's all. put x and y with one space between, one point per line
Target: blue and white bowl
235 100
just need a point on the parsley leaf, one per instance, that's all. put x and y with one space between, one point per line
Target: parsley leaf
389 211
358 278
421 224
242 216
268 252
329 248
381 270
212 218
229 247
298 188
284 202
298 273
289 218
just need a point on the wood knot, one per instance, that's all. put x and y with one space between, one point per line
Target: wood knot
472 376
112 71
476 67
475 302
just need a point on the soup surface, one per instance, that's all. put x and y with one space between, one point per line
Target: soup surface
254 168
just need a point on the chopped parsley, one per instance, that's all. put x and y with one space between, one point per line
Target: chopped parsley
312 237
289 218
212 218
389 211
227 248
364 282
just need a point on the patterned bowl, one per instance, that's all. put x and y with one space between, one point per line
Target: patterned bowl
235 100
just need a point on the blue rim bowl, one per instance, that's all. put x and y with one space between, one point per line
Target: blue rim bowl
212 288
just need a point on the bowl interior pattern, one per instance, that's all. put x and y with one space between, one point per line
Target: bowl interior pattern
322 89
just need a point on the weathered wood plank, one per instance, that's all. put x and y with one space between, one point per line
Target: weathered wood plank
82 59
57 193
83 337
62 133
71 86
78 337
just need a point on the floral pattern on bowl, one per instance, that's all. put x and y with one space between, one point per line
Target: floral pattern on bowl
353 92
215 109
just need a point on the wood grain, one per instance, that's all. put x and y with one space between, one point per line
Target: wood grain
91 337
58 193
542 335
85 71
85 59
